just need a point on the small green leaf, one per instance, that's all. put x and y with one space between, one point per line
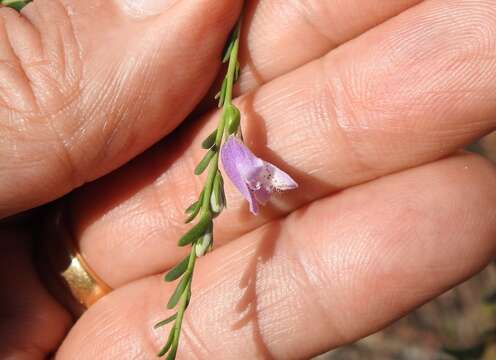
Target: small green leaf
165 322
232 118
15 4
202 165
192 208
210 140
172 354
174 299
194 214
226 53
168 344
237 71
222 96
195 232
177 271
194 211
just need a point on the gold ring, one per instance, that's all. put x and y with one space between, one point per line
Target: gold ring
63 268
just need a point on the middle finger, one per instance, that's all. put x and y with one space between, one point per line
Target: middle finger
282 35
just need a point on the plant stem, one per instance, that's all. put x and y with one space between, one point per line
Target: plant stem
214 164
205 210
183 303
233 60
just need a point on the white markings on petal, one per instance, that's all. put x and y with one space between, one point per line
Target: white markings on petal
251 174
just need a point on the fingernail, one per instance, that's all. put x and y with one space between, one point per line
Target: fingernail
144 8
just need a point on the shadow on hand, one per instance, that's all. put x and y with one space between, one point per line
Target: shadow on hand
248 304
255 136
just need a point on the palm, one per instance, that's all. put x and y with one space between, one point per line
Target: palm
314 270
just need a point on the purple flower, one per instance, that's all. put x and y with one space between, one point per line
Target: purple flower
255 178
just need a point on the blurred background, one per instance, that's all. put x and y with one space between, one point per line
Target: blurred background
458 325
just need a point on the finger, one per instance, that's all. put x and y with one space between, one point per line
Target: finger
90 92
408 92
280 36
283 35
327 275
33 324
15 88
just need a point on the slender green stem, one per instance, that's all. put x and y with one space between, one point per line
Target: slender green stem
214 164
183 303
205 199
233 60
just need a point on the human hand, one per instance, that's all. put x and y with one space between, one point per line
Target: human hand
317 268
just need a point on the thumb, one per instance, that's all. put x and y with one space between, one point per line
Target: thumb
87 85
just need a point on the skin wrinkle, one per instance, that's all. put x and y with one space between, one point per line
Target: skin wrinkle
55 43
19 52
199 349
307 282
317 278
357 244
66 54
456 56
66 158
121 140
5 15
121 341
121 113
66 63
308 14
172 222
153 337
345 119
332 324
267 68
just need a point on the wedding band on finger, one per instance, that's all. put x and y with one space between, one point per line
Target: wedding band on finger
64 270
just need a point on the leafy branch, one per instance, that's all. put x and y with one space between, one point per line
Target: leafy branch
210 203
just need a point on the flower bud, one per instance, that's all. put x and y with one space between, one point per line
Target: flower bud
204 244
218 199
232 118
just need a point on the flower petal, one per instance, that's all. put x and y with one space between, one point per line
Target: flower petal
232 155
279 179
253 204
247 163
254 178
262 195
